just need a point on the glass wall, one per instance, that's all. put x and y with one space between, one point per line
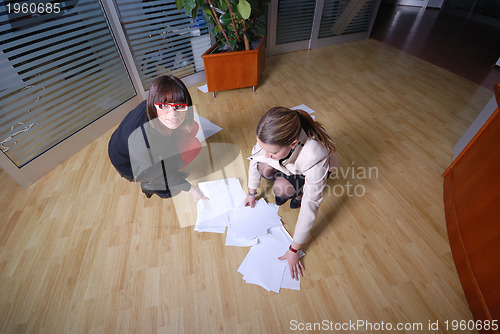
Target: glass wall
163 40
307 24
295 20
70 70
345 17
60 70
487 11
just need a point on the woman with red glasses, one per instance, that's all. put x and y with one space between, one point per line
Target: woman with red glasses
157 139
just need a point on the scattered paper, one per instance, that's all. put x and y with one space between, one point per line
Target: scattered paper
249 223
224 195
232 239
203 88
246 224
303 107
262 267
259 227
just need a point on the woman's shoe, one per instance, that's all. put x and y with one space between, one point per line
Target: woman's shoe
295 203
280 200
160 193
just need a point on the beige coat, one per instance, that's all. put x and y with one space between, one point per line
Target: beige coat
310 159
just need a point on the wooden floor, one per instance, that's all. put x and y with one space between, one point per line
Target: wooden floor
463 46
83 251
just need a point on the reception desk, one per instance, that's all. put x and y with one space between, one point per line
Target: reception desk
472 207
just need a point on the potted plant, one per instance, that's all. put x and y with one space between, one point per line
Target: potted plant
231 62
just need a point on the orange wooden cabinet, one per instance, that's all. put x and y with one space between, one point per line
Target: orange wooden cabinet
472 207
230 70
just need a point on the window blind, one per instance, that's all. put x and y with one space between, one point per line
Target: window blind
345 17
162 39
489 8
59 72
295 20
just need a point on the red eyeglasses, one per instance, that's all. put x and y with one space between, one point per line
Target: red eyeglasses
174 106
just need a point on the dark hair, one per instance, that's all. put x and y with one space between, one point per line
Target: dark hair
169 89
281 126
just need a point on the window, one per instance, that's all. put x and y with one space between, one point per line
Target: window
59 72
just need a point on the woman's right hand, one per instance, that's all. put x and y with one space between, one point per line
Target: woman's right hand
197 194
249 201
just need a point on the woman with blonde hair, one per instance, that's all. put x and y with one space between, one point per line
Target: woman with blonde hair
297 154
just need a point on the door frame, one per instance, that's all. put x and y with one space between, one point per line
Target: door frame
314 41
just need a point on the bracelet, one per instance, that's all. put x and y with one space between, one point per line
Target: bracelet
293 249
253 195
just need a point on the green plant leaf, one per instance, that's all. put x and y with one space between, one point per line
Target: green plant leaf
225 19
179 4
245 9
233 44
194 13
189 6
207 15
222 6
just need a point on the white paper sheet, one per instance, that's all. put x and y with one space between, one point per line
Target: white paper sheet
205 223
203 88
288 282
303 107
274 207
262 267
232 239
224 195
248 223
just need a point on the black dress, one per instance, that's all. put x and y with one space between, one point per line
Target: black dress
146 151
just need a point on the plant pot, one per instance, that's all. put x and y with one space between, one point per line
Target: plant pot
230 70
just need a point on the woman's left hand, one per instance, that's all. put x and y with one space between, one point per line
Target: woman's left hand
296 267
